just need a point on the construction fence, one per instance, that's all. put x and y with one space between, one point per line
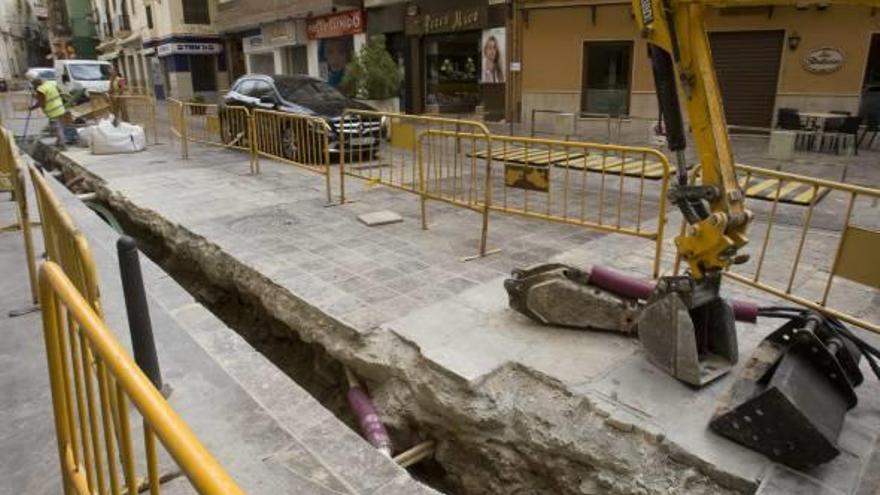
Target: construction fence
604 187
455 161
802 253
92 377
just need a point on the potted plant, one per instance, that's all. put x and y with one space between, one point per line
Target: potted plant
197 109
373 77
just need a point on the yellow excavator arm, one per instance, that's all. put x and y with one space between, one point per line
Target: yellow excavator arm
682 63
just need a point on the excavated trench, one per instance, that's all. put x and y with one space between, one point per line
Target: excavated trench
515 431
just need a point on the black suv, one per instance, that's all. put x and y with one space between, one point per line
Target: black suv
300 94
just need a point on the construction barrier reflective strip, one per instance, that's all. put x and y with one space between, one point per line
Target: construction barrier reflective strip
135 109
89 374
300 140
599 186
10 157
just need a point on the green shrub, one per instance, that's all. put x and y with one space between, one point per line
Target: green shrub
372 74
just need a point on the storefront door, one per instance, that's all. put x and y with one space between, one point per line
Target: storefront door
869 108
452 72
607 66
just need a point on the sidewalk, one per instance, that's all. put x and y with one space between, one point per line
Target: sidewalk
269 433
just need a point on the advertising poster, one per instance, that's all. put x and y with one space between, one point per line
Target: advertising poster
333 55
492 49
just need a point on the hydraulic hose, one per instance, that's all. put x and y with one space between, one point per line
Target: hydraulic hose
636 288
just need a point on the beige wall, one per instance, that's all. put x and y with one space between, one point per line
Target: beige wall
552 41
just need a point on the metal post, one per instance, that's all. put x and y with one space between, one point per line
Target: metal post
138 313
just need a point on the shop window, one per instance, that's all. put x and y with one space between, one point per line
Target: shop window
452 71
203 73
196 12
606 77
149 9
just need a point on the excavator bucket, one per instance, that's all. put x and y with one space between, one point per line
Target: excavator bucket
557 294
688 331
790 399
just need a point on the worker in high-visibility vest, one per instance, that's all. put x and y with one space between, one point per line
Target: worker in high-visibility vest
49 100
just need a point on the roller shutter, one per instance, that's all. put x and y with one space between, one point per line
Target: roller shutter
747 64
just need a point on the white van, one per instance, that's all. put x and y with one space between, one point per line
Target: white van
91 75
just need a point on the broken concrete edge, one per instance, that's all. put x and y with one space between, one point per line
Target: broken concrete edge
494 433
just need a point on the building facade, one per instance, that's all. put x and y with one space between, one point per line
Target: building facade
23 37
169 47
314 37
810 57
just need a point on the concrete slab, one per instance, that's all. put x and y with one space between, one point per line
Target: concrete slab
377 218
353 289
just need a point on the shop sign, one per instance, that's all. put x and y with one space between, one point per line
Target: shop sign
822 60
336 25
281 33
188 49
444 22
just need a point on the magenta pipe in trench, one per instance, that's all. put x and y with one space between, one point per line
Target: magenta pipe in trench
368 420
636 288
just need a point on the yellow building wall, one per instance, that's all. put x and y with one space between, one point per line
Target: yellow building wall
552 41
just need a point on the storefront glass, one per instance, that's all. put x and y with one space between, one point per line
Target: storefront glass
606 77
334 54
452 63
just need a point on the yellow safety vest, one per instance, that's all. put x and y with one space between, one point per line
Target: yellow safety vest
53 107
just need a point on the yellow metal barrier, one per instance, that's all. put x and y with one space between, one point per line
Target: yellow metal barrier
15 105
837 240
386 148
227 126
615 189
300 140
9 157
90 374
140 110
176 128
64 243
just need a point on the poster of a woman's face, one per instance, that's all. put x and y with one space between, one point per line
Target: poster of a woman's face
333 55
493 55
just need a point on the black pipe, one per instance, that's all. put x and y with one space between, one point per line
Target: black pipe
138 313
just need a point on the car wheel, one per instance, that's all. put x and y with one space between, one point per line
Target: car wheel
291 148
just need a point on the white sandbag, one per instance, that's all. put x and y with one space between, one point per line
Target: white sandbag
125 138
85 136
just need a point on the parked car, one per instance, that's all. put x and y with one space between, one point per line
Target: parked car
301 95
91 75
44 73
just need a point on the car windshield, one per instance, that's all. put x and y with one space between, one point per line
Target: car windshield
306 89
89 72
46 74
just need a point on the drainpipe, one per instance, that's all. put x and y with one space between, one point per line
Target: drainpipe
367 415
